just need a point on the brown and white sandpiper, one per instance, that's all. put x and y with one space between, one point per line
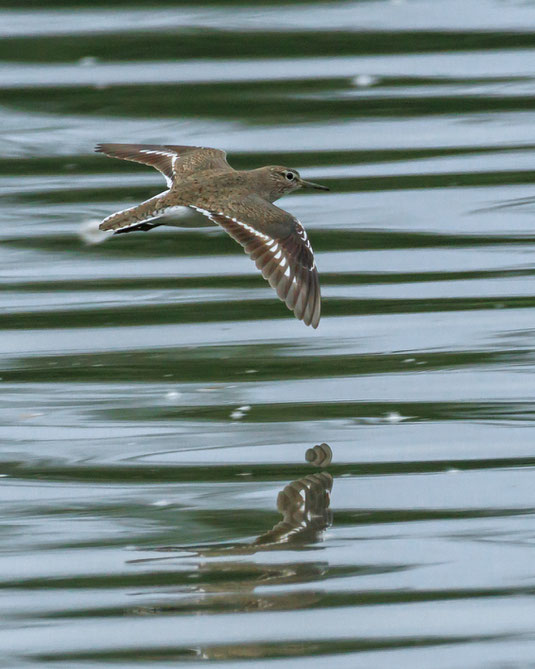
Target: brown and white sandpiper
241 202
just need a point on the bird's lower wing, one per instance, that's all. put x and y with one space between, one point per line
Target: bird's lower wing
287 262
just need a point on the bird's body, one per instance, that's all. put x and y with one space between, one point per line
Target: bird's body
241 202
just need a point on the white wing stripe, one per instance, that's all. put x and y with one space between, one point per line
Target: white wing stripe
158 153
243 225
173 157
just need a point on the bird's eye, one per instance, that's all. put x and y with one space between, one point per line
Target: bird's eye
289 176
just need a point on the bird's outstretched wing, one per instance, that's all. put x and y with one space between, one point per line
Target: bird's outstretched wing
174 162
281 252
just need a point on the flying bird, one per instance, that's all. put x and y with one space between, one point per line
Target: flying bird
239 201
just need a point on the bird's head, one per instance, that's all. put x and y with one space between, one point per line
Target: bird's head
284 180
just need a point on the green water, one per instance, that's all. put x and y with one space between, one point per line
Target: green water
157 399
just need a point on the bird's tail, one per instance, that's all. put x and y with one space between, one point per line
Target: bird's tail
137 218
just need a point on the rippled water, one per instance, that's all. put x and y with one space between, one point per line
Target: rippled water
158 400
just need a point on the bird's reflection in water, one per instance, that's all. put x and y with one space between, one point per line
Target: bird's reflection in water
224 584
305 508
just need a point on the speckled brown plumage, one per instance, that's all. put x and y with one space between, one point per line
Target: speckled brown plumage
241 202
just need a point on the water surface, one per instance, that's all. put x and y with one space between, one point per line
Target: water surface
157 399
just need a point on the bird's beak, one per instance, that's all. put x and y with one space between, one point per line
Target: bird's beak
311 184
